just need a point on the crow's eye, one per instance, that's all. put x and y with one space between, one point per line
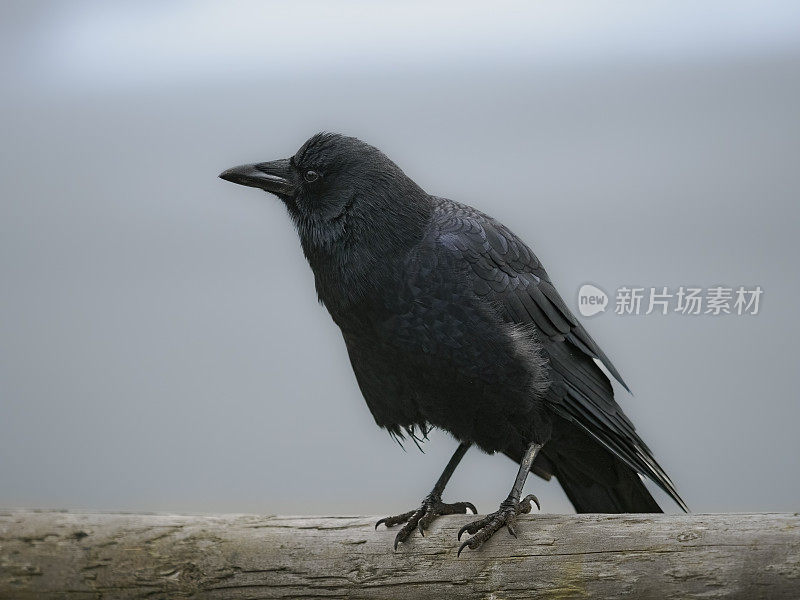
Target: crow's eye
311 176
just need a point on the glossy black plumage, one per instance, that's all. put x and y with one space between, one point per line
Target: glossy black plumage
451 321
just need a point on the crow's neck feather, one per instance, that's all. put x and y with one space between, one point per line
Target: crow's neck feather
361 248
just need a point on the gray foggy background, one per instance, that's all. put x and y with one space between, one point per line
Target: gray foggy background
161 347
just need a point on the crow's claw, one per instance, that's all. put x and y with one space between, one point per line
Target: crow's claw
421 518
482 529
525 504
395 520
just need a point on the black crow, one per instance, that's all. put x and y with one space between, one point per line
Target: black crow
451 321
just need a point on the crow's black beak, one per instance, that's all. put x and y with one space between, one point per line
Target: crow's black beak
275 177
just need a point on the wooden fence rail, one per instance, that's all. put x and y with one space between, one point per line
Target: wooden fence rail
69 555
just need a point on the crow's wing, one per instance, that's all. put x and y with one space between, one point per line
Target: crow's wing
506 273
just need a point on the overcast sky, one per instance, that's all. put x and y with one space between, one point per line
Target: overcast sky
96 44
161 347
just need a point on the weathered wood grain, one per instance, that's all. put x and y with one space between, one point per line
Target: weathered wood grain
89 556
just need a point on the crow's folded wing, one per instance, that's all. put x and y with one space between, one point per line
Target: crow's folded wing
505 272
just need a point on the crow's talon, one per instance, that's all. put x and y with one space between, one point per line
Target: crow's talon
482 529
395 520
421 518
474 526
525 504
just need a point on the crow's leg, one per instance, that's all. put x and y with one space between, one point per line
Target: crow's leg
482 529
432 505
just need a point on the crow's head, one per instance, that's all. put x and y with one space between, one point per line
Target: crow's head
328 180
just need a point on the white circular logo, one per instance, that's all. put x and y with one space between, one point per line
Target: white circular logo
591 300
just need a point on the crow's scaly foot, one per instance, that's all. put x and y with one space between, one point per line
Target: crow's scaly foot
421 518
482 529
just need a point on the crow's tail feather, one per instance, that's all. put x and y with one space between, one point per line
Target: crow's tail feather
593 478
619 490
